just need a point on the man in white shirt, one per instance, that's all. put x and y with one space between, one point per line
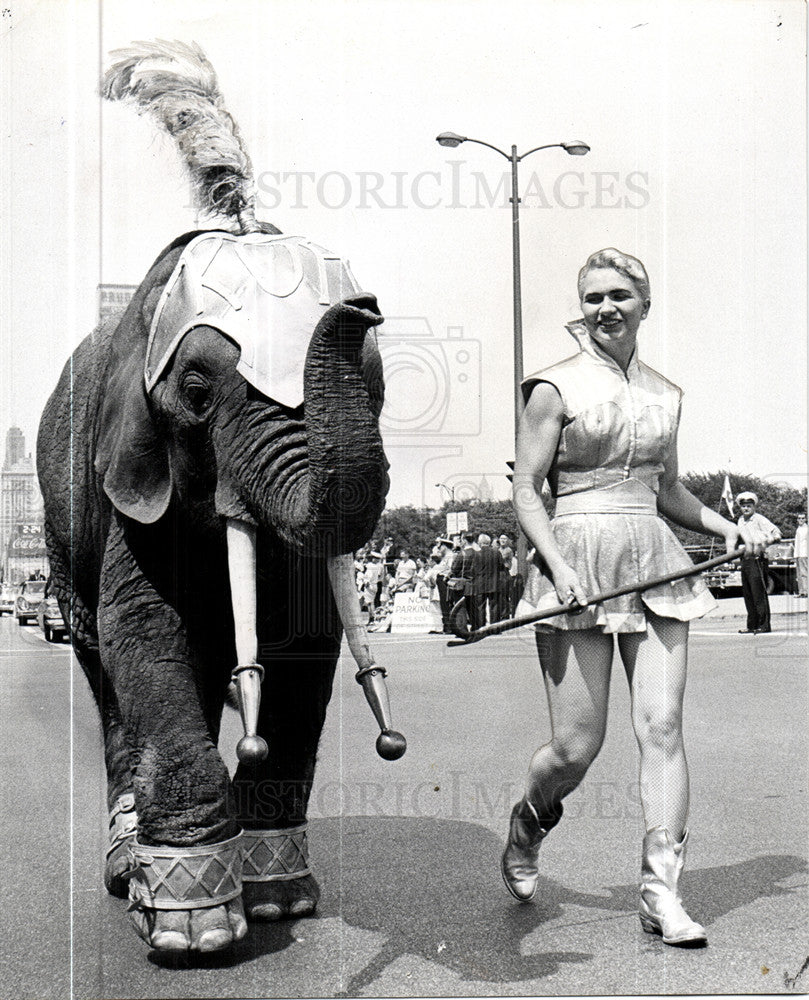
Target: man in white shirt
754 568
802 555
405 577
373 578
443 548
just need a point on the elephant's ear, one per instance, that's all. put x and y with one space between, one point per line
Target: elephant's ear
131 453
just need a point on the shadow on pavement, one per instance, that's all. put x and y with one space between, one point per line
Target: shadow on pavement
432 888
262 939
710 893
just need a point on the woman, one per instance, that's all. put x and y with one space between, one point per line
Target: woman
602 428
429 589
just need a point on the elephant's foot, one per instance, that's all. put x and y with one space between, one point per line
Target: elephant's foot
209 929
290 899
123 827
187 898
278 882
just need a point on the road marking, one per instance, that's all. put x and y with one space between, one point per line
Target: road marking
775 634
401 640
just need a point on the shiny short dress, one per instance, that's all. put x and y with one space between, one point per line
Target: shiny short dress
617 432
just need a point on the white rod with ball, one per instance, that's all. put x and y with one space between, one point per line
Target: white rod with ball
389 744
248 673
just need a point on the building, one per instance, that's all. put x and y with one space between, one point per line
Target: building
22 516
113 299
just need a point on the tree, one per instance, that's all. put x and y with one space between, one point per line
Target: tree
417 528
777 501
410 528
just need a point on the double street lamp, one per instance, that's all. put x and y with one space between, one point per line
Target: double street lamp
576 148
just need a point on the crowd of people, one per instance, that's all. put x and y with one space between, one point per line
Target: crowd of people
474 566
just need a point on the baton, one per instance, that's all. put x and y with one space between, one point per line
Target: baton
466 637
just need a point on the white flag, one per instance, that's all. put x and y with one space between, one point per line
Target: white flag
727 496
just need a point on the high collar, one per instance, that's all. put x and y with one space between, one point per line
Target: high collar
578 330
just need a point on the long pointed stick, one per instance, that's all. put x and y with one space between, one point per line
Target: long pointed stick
560 609
390 744
248 673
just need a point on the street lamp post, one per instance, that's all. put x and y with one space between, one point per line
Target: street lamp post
576 148
449 489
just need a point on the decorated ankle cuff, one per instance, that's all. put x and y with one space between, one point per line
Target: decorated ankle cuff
275 855
185 878
123 821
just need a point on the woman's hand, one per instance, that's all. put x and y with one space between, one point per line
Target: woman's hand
568 586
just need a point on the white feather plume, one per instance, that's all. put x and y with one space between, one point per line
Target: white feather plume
175 83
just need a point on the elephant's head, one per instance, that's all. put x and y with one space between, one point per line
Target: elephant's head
305 463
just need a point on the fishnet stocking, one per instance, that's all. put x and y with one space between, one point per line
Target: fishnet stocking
576 667
655 662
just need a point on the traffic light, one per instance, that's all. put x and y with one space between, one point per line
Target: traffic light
510 476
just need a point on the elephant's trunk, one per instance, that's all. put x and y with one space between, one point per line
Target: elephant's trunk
330 504
316 477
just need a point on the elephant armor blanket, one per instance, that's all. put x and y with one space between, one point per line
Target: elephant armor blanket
264 292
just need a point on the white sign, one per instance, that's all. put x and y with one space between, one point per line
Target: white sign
414 615
457 523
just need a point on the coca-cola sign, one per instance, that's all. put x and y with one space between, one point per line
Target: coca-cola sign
27 545
27 540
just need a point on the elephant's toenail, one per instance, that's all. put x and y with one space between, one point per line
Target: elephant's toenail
238 928
169 941
302 907
266 911
214 940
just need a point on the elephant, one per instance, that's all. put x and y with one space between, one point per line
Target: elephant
202 487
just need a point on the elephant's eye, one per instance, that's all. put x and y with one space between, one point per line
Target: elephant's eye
196 393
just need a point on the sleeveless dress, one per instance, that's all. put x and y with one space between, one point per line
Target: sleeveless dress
617 432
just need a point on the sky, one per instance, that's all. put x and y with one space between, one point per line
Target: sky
696 118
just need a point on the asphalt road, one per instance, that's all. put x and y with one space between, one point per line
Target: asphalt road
407 852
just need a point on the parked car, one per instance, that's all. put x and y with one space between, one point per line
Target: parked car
50 619
780 571
28 599
782 578
8 597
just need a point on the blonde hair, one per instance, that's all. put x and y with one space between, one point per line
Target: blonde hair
624 263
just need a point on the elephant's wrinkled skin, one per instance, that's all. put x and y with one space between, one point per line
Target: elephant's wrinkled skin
143 581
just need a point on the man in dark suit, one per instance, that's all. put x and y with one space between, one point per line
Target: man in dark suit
466 567
488 579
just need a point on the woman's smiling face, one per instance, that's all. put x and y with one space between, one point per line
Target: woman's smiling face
613 310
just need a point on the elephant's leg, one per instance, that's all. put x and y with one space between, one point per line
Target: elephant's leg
299 647
273 798
180 783
117 759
